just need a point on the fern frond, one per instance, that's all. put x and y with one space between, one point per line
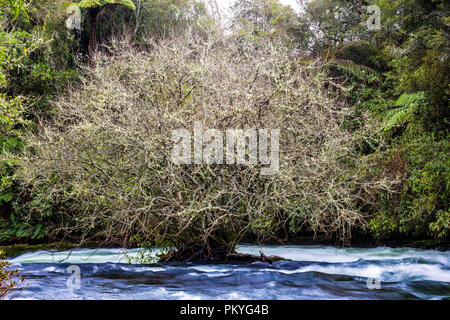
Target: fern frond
396 117
405 107
353 68
408 99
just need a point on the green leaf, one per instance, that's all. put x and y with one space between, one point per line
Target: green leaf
7 197
17 10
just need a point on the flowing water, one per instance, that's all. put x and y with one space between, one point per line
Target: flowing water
314 272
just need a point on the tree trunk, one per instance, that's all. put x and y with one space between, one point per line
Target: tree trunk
93 13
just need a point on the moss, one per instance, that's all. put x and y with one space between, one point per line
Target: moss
17 249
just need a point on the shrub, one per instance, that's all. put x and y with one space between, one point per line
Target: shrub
104 160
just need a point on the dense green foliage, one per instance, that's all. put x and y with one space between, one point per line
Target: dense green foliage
411 96
394 82
37 58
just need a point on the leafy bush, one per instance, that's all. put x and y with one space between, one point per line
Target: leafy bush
37 57
420 207
37 54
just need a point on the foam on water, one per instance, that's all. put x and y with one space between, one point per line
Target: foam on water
78 256
333 254
316 272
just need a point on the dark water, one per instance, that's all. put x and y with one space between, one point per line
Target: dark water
316 272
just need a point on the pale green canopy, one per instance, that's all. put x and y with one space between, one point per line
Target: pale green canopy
98 3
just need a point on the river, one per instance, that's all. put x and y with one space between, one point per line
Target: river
315 272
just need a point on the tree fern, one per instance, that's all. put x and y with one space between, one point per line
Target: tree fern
405 107
354 58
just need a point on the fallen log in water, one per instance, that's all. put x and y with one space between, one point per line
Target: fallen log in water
212 252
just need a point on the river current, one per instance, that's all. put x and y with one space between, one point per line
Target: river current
313 272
